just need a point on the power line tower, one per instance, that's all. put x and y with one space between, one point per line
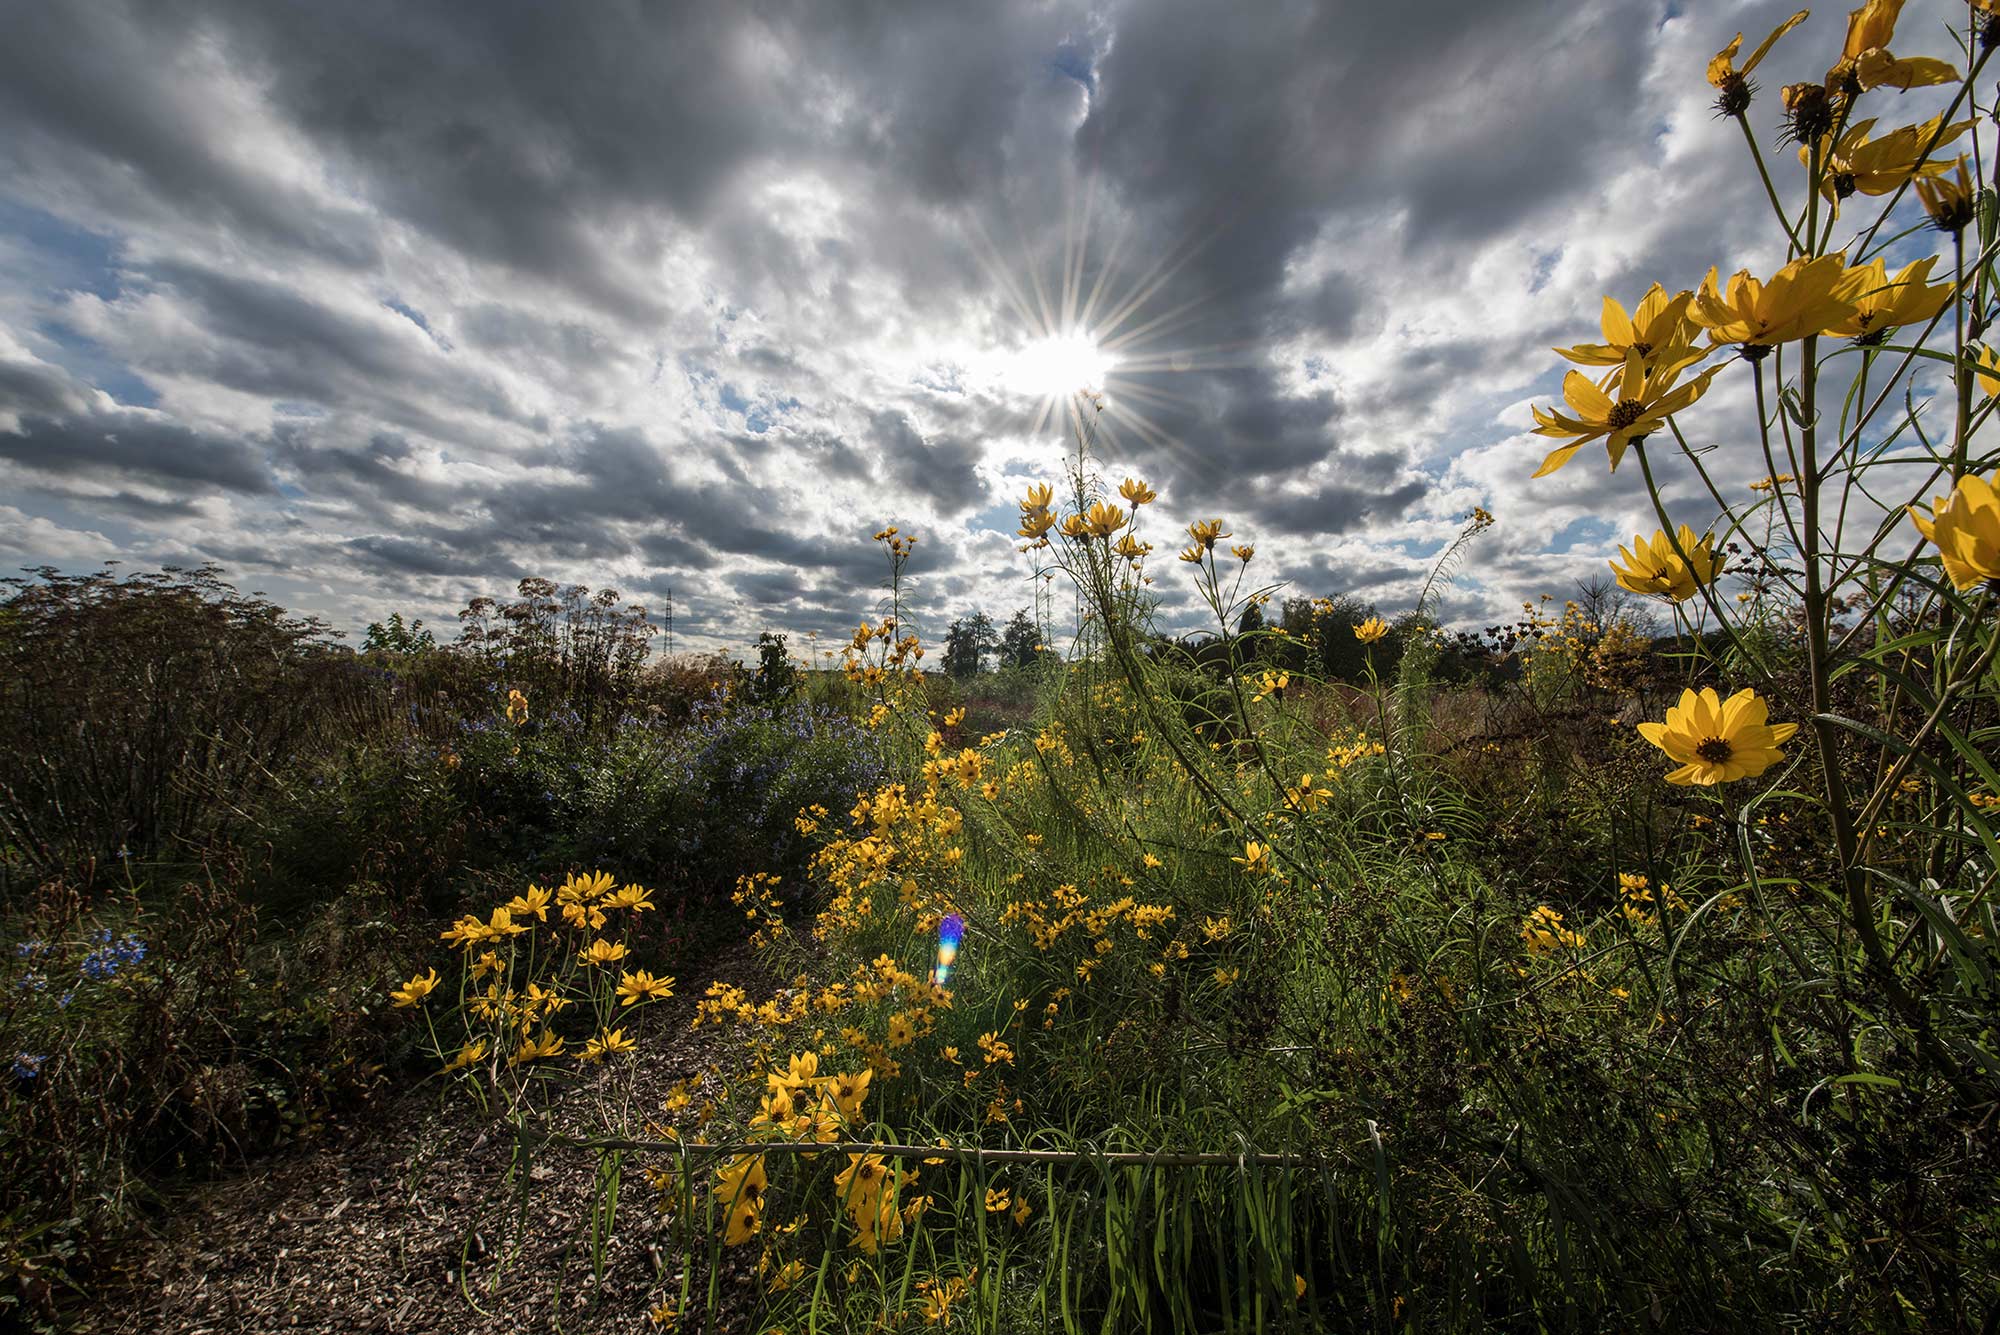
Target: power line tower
667 621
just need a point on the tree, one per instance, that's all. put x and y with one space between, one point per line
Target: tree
393 637
967 643
776 676
1018 641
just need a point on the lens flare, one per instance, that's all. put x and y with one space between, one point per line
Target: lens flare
950 932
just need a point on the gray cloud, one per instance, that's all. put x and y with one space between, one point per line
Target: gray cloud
693 295
138 446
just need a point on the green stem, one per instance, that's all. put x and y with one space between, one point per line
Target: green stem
1770 191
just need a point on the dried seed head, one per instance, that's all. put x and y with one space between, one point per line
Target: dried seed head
1808 112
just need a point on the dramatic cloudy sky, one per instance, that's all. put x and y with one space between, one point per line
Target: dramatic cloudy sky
382 305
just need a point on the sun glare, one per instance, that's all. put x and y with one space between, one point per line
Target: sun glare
1058 366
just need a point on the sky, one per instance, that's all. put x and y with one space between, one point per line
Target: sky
382 306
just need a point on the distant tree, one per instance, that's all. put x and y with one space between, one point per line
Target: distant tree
777 677
967 643
1251 621
394 637
1018 641
560 643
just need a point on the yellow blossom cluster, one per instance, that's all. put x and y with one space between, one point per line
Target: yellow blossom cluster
1544 934
521 970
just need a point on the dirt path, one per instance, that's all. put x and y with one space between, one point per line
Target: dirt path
385 1225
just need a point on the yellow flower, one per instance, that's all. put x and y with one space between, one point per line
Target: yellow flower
1656 323
1718 741
1039 497
1733 83
1103 520
1803 298
1854 163
1881 305
633 897
1651 566
997 1200
1986 364
1866 61
640 985
1192 555
1951 201
517 707
534 1049
467 1055
605 1044
1227 977
1645 400
1131 548
849 1090
1256 859
414 991
739 1188
1371 630
1138 492
592 885
535 903
1036 524
1021 1211
1966 528
1544 934
787 1275
469 931
1243 553
602 952
1207 532
901 1032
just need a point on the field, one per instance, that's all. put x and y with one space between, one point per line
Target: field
1632 966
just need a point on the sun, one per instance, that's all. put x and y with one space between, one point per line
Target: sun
1058 366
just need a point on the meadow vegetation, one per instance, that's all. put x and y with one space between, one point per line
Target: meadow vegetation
1632 966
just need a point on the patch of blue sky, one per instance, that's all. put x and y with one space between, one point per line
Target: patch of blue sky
941 378
1544 268
1588 534
63 257
998 518
416 317
763 415
87 360
1073 62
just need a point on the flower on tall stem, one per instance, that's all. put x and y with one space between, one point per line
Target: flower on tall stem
1657 323
1882 303
1853 163
1653 566
1731 83
1646 399
1718 741
1966 528
1804 298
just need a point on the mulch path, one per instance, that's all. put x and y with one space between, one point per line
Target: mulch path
384 1225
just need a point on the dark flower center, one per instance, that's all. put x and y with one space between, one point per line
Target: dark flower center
1715 751
1624 413
1734 96
1809 112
